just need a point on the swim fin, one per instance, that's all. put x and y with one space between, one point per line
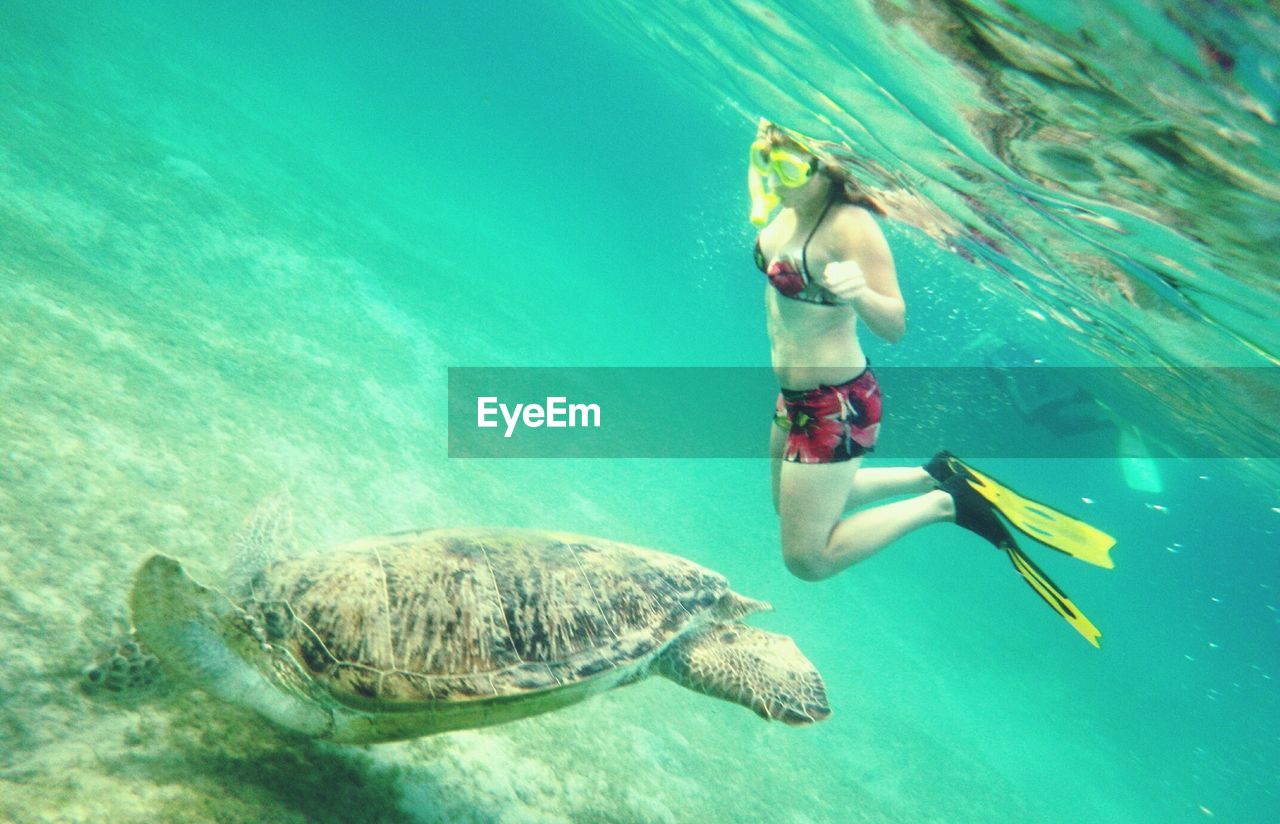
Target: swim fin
976 514
1053 596
1043 523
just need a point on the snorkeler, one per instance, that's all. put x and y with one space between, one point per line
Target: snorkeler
829 265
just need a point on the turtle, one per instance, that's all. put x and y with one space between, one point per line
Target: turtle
397 636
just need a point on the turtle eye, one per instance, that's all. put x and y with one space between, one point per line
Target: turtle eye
274 621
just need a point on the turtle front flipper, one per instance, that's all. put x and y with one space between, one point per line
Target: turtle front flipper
762 671
202 637
123 669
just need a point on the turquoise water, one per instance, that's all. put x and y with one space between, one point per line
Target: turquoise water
240 250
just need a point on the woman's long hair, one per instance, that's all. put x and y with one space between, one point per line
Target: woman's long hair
845 186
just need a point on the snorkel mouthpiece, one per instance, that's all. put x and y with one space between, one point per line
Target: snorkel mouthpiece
763 199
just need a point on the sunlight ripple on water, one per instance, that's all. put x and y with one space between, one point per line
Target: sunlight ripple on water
1113 163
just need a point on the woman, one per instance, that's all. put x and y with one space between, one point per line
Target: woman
828 267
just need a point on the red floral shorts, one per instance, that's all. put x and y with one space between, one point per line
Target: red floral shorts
830 424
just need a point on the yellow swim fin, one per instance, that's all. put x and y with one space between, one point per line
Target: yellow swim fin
1043 523
1054 597
977 514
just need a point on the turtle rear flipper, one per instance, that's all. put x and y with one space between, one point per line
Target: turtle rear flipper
762 671
201 636
265 537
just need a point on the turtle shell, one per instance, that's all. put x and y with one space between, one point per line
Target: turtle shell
457 615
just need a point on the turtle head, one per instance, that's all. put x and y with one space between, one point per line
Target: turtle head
199 635
182 621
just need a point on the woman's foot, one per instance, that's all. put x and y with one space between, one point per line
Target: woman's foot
974 512
940 468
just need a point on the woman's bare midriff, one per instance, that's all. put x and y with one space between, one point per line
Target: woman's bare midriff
812 344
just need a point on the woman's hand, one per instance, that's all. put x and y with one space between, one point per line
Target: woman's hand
846 280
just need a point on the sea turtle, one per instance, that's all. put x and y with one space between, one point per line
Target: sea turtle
403 635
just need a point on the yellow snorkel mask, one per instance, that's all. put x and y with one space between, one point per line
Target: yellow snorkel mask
772 166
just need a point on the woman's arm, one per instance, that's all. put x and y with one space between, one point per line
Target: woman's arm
864 275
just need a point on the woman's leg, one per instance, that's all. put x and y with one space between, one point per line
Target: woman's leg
777 442
817 543
870 484
875 482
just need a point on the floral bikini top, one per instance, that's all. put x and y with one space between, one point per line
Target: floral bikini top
797 285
